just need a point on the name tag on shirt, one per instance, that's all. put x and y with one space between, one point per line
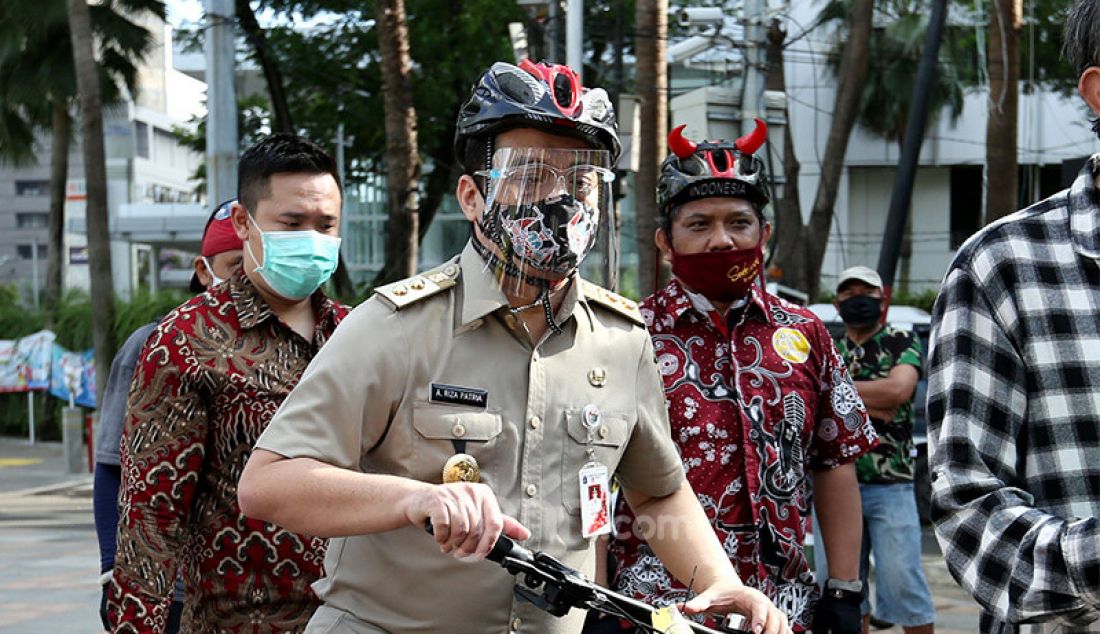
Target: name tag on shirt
595 500
457 395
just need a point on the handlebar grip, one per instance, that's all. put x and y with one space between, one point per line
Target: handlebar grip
504 547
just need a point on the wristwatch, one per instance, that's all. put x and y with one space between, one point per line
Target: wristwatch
841 589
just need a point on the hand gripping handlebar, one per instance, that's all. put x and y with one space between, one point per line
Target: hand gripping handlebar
550 585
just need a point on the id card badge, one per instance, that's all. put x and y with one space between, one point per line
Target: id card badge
595 500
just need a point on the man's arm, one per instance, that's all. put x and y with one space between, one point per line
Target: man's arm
162 452
305 495
839 514
891 392
1021 563
680 534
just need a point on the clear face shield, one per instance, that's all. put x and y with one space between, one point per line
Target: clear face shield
547 211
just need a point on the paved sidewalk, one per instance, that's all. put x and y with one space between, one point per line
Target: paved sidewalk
48 547
50 557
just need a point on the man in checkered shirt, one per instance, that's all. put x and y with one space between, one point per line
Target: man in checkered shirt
1014 399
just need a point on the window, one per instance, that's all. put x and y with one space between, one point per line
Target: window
32 220
141 139
966 202
26 251
32 188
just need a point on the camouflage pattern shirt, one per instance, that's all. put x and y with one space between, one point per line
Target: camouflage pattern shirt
892 460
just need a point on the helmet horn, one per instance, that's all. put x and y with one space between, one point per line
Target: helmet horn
752 141
680 146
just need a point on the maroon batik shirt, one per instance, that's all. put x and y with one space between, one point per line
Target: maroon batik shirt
210 378
752 412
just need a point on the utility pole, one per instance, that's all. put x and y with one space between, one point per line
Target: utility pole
553 32
752 95
221 101
574 37
900 199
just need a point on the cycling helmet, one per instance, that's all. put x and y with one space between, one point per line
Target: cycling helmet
711 168
545 96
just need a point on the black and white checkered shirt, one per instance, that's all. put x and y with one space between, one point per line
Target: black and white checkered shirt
1014 415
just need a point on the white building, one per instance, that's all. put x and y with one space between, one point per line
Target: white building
1053 137
145 164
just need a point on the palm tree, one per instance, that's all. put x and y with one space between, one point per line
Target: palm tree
651 33
402 156
895 52
38 85
801 259
88 80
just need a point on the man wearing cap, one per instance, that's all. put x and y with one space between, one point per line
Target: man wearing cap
757 396
220 258
885 363
496 393
209 379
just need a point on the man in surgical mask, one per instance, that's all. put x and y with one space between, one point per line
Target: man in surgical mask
206 385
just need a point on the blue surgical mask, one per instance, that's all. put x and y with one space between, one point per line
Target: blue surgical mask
296 263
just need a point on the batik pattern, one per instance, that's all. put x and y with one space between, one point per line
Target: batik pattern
752 411
209 380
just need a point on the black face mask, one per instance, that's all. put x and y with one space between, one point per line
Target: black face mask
861 310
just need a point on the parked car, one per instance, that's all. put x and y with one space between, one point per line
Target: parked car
920 322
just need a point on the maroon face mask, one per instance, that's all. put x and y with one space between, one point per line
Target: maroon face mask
722 276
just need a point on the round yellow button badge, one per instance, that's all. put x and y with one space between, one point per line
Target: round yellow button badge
791 345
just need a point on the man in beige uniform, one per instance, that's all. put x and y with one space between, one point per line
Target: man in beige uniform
525 374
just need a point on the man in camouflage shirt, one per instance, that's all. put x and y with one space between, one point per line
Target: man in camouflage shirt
885 364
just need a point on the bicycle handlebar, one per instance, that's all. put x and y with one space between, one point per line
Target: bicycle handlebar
554 587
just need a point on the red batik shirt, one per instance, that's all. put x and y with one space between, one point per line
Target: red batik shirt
752 412
209 380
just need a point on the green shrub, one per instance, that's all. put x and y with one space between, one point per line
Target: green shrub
72 323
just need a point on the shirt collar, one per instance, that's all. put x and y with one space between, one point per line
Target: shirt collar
481 293
253 310
1084 210
677 300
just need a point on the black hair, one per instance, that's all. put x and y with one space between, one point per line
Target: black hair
1082 40
280 154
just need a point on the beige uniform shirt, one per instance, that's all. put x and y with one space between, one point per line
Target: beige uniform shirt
366 403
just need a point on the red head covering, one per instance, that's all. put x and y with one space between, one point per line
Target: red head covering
219 235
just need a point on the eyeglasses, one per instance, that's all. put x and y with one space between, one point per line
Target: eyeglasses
532 182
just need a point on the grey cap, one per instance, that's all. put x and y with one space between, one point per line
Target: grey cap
864 274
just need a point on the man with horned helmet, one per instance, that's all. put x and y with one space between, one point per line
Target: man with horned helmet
758 398
496 393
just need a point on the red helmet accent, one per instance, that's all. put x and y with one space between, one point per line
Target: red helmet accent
752 141
679 145
550 73
729 172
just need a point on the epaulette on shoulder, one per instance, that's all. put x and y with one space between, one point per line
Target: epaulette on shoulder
617 303
418 287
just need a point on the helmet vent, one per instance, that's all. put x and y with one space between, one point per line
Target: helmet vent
720 159
563 90
516 88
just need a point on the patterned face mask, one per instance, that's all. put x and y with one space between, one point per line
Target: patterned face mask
551 236
544 206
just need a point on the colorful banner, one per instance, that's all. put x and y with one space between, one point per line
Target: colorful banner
72 377
25 363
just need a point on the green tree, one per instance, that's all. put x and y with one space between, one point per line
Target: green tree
894 54
38 85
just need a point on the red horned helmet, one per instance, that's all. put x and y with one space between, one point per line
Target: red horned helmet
712 168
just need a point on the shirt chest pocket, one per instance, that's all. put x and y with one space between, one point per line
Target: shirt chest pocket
602 442
444 430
